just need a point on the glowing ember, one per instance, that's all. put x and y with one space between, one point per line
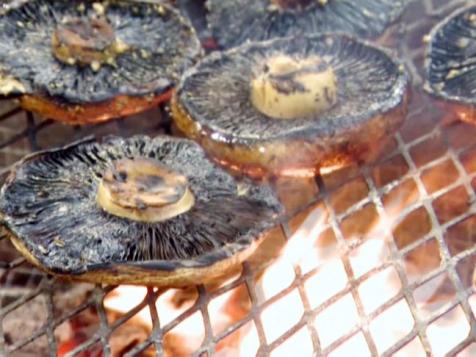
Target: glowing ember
386 283
433 295
243 342
472 303
186 337
447 331
337 320
301 247
369 255
354 346
299 344
328 281
125 298
391 326
414 348
280 316
229 308
175 302
270 285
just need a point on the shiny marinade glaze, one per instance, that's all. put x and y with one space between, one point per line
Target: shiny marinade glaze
212 105
150 46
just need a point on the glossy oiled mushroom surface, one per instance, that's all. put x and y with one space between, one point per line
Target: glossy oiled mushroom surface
163 208
451 57
61 54
290 106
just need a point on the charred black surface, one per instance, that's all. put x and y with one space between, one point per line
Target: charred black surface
216 92
451 58
233 22
49 203
160 45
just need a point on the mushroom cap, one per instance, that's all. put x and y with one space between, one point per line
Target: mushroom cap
49 206
161 44
196 12
233 22
451 56
216 92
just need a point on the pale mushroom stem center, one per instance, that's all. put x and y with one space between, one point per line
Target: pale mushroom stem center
86 42
289 88
143 190
297 4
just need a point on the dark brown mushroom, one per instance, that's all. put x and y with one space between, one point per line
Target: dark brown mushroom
137 211
85 62
450 63
291 106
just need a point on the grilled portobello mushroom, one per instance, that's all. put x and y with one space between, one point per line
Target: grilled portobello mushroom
290 106
233 22
136 211
86 62
450 63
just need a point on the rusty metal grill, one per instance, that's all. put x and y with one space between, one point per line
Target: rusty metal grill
418 201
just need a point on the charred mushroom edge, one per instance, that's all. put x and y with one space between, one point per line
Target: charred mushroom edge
354 140
119 104
173 273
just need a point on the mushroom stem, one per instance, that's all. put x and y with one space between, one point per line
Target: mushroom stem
289 88
145 191
86 42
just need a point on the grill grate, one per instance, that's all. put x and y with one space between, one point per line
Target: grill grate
419 197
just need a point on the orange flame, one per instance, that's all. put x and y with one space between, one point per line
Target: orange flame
355 294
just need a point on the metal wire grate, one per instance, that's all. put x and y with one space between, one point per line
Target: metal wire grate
417 202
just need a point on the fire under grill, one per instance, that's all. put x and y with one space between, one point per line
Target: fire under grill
379 263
